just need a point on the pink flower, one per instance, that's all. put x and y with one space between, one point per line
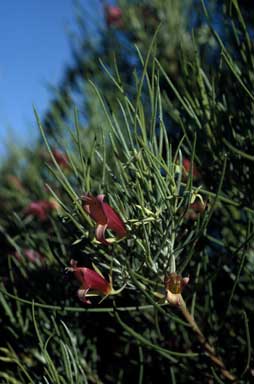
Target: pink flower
174 285
104 216
90 280
40 209
114 16
61 158
31 255
187 168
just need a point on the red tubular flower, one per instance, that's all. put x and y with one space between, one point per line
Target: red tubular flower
60 158
104 216
40 209
187 168
114 16
90 280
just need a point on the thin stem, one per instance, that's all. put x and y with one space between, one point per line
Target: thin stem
76 309
201 338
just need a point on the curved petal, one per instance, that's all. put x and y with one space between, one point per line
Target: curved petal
82 296
100 234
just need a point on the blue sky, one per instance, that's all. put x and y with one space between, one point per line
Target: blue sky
34 48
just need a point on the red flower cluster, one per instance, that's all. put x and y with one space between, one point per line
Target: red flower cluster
40 209
114 16
90 280
104 216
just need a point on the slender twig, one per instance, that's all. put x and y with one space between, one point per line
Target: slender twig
201 338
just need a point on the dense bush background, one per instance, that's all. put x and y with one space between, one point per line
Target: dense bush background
167 83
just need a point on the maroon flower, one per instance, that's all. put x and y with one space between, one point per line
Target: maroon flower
187 168
90 280
104 216
40 209
61 158
114 16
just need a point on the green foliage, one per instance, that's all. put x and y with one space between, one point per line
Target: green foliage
133 148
